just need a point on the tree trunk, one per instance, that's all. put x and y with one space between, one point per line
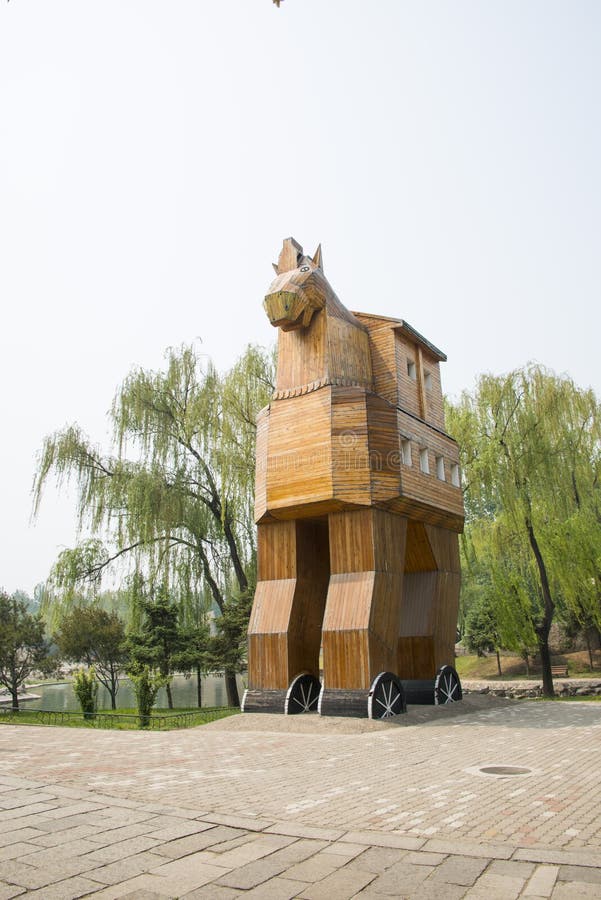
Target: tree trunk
542 630
169 695
199 686
527 661
545 660
14 692
498 662
591 662
231 688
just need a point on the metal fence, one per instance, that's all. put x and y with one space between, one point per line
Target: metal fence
101 719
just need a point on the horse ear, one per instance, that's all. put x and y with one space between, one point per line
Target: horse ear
289 257
317 258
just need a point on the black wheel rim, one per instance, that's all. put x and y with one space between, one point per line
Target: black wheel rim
303 694
447 688
386 698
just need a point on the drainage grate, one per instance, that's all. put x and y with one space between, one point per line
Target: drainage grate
504 770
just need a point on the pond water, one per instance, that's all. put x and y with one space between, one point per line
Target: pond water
62 697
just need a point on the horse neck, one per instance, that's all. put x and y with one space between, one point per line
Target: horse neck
334 349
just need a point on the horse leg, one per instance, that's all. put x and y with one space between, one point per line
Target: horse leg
363 608
430 603
285 622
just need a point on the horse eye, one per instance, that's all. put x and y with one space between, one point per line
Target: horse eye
305 268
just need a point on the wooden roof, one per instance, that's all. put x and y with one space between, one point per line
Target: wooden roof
408 331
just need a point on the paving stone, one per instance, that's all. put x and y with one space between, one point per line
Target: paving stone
378 859
542 882
68 835
141 885
176 829
122 849
348 851
53 857
342 885
115 872
460 870
315 868
217 834
401 879
213 892
298 851
430 890
66 890
567 890
510 867
253 874
105 837
259 846
8 891
580 873
298 829
19 873
380 839
142 895
186 874
275 889
491 887
16 850
19 835
245 822
74 809
24 812
419 858
468 848
559 857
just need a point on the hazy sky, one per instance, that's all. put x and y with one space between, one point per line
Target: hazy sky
153 156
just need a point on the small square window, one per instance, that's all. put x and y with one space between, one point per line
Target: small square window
428 381
455 480
440 468
406 452
423 461
411 370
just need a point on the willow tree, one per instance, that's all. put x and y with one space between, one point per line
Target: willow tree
172 504
530 444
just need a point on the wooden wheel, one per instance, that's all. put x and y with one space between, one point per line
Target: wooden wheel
303 694
386 697
447 686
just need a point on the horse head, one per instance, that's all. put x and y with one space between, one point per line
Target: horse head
300 289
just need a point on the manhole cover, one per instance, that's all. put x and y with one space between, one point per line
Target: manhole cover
505 770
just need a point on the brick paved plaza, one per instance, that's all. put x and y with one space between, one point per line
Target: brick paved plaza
261 806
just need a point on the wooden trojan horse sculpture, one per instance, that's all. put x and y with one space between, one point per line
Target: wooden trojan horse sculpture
358 506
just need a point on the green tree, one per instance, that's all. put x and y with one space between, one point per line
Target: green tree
147 684
481 629
23 648
90 634
177 495
160 642
195 655
230 643
528 442
85 686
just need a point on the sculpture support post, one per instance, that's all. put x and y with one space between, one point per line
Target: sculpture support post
363 609
285 625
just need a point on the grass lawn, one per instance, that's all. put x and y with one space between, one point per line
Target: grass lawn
484 668
120 719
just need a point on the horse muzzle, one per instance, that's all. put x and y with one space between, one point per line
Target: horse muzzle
285 310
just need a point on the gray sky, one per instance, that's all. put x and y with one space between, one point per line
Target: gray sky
154 155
